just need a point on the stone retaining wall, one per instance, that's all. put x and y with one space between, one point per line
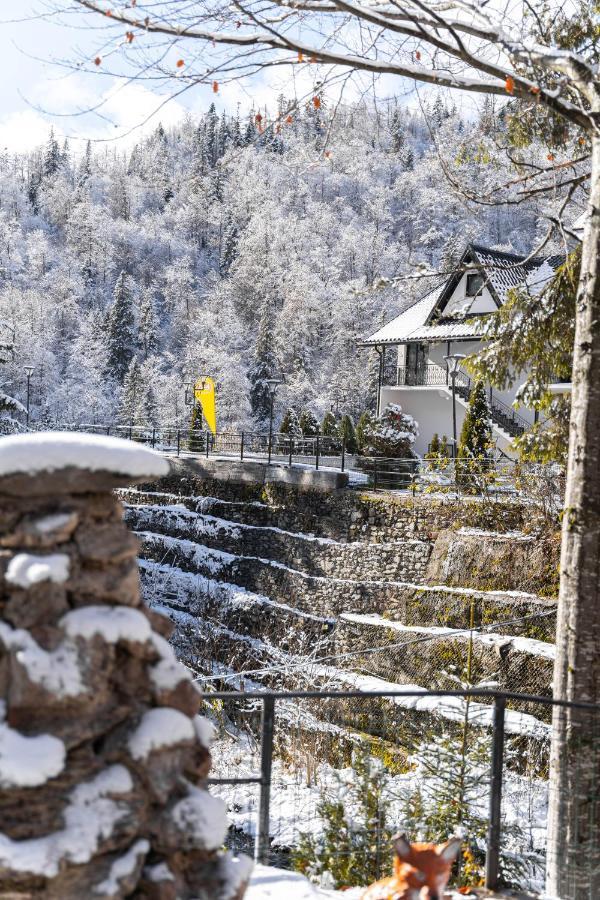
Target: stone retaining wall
405 561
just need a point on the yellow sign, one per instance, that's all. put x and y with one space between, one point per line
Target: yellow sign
204 394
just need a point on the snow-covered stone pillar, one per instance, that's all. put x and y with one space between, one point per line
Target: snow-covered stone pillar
102 753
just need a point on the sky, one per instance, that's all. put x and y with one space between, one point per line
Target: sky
39 94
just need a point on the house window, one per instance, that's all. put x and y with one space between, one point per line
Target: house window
474 284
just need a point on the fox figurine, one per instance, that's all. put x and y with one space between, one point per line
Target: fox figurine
421 871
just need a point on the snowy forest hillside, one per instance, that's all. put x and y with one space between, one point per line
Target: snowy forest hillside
227 246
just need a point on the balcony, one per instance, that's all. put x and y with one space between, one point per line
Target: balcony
422 376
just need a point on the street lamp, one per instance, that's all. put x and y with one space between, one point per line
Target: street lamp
454 360
29 372
273 384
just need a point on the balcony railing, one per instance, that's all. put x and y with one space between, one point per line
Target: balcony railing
429 374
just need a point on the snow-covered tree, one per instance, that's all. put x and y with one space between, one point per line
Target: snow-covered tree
263 367
121 337
392 434
309 424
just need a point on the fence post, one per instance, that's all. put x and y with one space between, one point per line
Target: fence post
108 430
207 444
317 450
153 437
375 477
492 857
262 845
242 448
291 451
178 441
343 452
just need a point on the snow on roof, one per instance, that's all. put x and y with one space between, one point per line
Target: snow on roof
51 450
412 318
503 272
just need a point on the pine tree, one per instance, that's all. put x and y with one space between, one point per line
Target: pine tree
392 434
476 433
121 330
438 112
408 160
348 434
52 156
131 395
211 136
148 329
263 367
290 423
9 408
363 427
197 434
309 424
329 427
229 248
397 131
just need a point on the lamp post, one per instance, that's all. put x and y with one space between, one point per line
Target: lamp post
454 360
28 372
273 384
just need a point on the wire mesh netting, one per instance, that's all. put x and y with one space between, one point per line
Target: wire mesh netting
350 771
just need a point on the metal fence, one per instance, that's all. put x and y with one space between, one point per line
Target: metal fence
319 781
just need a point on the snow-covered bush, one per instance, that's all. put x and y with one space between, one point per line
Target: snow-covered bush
392 434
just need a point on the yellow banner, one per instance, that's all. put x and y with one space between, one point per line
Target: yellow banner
204 394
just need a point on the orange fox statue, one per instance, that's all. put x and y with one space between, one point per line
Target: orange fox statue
421 871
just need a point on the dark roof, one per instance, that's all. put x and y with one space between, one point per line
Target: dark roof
422 319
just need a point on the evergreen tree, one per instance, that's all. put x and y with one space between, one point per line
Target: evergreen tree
148 329
121 330
197 434
392 434
408 160
290 423
229 248
131 395
476 433
397 131
263 367
329 427
52 156
348 434
85 168
363 427
309 424
438 112
211 136
9 408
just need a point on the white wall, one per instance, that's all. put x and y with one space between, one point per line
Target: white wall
432 408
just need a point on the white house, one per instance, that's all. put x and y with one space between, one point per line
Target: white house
442 323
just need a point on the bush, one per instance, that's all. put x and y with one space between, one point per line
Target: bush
330 429
308 423
365 423
391 435
290 424
348 433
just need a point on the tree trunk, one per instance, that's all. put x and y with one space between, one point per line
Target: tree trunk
573 868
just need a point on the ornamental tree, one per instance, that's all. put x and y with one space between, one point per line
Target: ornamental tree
392 434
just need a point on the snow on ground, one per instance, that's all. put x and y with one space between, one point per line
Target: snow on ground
268 883
522 644
27 569
51 450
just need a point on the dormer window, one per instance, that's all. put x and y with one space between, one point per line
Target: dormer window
474 284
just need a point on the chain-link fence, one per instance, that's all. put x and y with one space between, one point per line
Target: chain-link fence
320 781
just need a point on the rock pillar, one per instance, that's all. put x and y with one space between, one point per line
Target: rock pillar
102 751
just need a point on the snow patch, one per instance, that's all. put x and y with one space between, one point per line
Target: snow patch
28 761
112 623
202 817
159 872
52 450
205 731
90 817
160 727
57 671
274 884
122 867
53 522
26 569
236 870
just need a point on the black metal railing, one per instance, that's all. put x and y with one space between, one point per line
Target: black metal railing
421 376
517 752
